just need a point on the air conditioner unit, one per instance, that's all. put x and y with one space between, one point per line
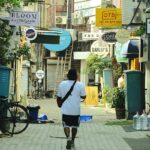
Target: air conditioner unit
61 19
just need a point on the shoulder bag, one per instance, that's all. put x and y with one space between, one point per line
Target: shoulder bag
68 93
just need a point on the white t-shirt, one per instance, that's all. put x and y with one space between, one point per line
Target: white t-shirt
71 106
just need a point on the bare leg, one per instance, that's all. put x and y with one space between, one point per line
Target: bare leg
74 133
67 132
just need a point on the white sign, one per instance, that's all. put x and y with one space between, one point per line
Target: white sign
100 48
86 4
18 18
40 74
86 8
148 25
90 35
122 36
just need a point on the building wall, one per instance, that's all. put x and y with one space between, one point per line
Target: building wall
128 8
147 82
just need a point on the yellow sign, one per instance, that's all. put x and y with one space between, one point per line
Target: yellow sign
108 17
92 96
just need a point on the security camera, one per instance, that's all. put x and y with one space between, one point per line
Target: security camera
147 10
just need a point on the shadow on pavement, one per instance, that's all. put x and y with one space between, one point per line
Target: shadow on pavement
128 128
138 144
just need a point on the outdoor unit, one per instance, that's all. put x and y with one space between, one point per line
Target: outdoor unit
61 19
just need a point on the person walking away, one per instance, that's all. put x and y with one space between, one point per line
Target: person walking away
70 108
121 81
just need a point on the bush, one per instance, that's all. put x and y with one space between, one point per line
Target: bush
107 94
118 98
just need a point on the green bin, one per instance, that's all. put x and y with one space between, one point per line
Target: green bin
135 93
4 92
4 81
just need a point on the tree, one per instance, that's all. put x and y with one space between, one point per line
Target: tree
5 35
8 4
96 63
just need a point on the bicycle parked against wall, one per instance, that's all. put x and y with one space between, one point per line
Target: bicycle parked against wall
14 117
38 91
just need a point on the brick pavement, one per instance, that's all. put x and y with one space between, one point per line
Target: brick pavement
94 135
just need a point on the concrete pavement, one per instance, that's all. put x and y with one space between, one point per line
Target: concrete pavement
93 135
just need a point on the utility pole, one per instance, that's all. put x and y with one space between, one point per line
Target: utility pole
148 16
69 12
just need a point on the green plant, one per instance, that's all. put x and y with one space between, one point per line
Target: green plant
107 94
120 122
5 35
23 50
96 63
118 98
9 3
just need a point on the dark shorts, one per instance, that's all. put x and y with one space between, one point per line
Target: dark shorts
70 121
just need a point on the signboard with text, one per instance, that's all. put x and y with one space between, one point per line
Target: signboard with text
18 18
108 17
100 48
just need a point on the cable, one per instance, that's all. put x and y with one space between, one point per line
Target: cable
135 12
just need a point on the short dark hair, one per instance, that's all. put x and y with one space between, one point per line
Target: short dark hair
72 74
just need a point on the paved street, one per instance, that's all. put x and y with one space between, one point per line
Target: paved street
94 135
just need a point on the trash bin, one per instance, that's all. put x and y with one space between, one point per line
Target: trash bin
4 81
4 93
33 112
135 96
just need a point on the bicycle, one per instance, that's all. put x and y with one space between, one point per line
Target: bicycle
14 117
38 91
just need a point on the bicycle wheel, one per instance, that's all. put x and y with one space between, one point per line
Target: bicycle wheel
17 119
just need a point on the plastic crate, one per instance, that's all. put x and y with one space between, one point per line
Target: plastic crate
85 118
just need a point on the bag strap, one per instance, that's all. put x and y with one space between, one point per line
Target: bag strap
69 92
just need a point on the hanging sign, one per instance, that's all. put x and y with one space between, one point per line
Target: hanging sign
30 33
40 74
65 40
122 36
109 37
18 18
108 17
100 48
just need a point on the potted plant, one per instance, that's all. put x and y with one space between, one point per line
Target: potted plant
118 102
107 95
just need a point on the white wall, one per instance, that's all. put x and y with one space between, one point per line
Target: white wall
147 82
83 74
